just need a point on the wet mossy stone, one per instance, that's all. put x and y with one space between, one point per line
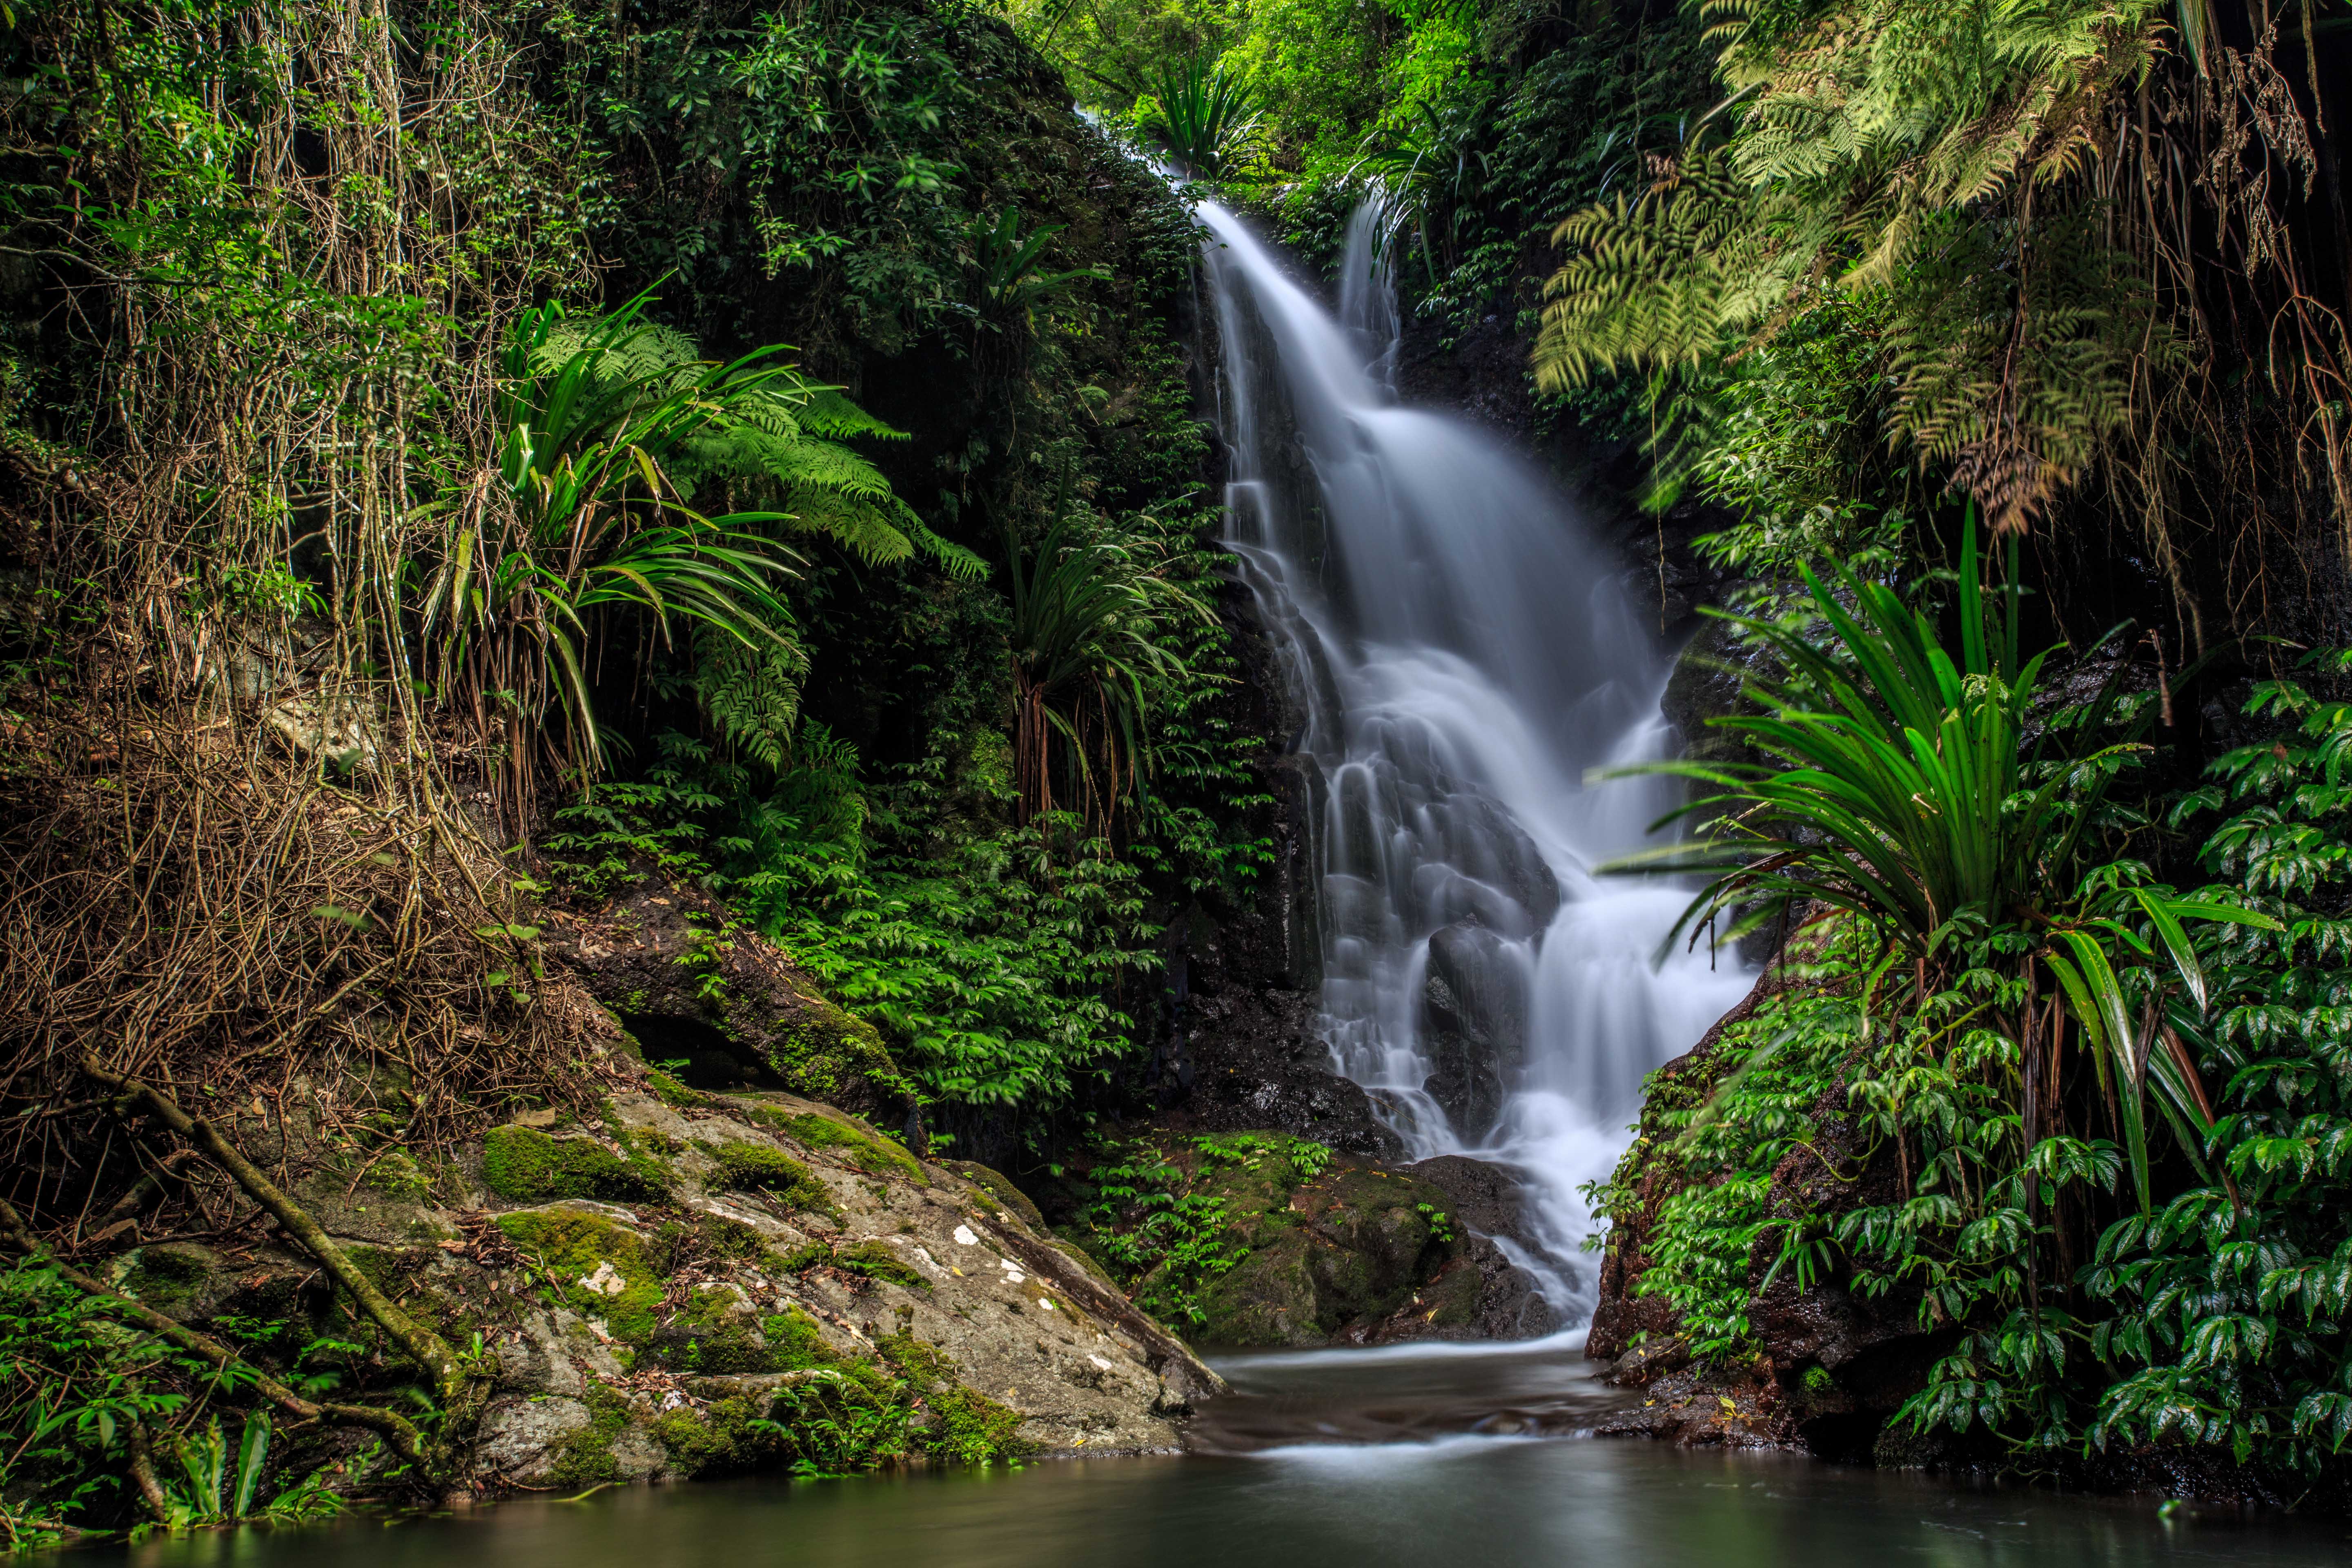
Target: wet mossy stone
171 1277
869 1152
731 1438
525 1165
1352 1246
756 1168
600 1270
714 1333
823 1051
966 1427
585 1457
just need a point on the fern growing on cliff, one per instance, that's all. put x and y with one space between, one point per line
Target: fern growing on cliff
1942 155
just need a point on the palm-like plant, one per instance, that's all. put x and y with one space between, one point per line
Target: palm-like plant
1914 790
1012 284
610 426
1203 114
1430 170
1084 645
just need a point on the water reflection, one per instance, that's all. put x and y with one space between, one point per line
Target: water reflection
1445 1484
1497 1502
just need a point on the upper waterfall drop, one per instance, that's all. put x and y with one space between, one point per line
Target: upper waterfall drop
1464 654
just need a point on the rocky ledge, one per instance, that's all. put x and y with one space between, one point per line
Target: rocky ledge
674 1288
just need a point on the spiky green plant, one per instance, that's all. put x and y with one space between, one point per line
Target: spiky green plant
1203 114
1085 644
1922 791
1011 283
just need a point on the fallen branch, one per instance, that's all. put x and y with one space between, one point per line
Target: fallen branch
428 1349
394 1428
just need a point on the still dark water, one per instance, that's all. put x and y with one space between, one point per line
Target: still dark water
1343 1459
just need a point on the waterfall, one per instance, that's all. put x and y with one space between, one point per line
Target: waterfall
1463 654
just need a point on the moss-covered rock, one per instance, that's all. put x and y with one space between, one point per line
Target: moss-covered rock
602 1269
585 1457
732 1438
1259 1238
178 1278
796 1343
525 1165
756 1168
823 1051
963 1426
669 1090
716 1332
861 1146
999 1190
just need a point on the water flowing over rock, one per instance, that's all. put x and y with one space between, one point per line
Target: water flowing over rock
1462 656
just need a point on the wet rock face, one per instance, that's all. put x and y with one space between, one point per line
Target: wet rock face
1475 1024
1239 1048
650 1328
1357 1255
688 984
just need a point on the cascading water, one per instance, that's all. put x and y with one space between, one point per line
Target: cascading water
1464 654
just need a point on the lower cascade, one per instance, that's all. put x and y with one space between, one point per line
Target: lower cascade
1463 657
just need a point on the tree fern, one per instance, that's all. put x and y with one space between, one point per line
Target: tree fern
1941 153
612 426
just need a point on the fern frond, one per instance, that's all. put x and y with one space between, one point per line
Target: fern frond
751 691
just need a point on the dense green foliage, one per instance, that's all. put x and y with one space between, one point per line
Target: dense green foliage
1922 1140
87 1402
741 595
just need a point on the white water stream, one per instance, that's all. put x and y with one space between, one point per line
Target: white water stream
1464 654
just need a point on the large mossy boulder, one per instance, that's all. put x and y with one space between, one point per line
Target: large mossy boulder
1348 1251
691 985
1264 1239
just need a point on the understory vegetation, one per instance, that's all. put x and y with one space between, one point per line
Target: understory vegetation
1949 333
465 467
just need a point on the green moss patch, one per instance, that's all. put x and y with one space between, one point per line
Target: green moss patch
396 1174
577 1247
525 1165
713 1333
870 1153
168 1276
585 1459
756 1168
731 1438
670 1092
967 1427
795 1344
821 1051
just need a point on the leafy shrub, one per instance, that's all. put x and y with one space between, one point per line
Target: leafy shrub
2215 1311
